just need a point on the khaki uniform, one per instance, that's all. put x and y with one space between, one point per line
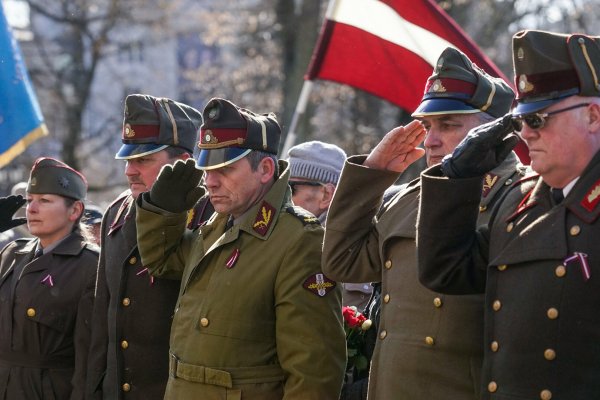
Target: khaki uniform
429 345
45 312
256 318
542 331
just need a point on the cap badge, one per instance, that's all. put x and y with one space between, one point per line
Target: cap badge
213 113
129 132
209 137
591 199
264 218
520 53
440 63
33 181
437 87
524 85
489 182
63 182
319 284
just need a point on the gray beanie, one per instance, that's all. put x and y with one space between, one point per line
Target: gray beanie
316 161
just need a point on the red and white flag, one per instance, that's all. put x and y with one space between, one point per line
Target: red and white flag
389 48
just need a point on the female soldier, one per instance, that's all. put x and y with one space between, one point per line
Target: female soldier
46 291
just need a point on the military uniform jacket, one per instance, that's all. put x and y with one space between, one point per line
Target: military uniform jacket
132 315
45 311
539 265
256 318
429 345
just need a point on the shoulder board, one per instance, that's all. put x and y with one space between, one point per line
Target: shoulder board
304 216
526 178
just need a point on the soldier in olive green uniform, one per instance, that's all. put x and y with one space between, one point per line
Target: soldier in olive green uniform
47 290
429 345
133 310
537 259
256 318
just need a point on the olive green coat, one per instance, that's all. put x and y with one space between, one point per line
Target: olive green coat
249 322
542 325
429 345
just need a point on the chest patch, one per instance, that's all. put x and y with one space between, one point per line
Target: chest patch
319 284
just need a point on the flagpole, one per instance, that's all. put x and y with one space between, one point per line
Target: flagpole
290 139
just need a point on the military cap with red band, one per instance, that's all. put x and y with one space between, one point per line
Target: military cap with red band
152 124
550 67
50 176
229 133
457 86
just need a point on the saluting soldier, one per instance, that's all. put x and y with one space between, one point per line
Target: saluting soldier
537 259
133 310
256 318
47 290
429 345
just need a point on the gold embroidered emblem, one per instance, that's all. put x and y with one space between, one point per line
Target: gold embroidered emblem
266 215
524 85
489 181
128 131
594 194
209 137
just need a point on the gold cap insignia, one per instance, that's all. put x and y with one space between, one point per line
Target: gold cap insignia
520 53
129 132
524 85
209 138
437 87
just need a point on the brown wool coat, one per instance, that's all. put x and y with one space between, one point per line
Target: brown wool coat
430 345
542 330
245 326
45 327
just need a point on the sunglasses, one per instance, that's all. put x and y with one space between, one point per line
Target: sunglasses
293 185
538 120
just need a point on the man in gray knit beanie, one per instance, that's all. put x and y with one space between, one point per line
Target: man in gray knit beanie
315 169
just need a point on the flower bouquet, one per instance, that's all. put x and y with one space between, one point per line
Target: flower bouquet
355 326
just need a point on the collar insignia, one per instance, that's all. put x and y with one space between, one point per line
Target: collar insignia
592 198
489 182
264 218
319 284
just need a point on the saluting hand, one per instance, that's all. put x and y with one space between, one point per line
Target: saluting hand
176 188
398 148
8 206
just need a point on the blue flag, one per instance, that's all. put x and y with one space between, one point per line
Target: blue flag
21 120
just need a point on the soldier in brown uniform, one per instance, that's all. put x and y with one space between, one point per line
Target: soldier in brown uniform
47 290
537 259
256 319
133 310
429 345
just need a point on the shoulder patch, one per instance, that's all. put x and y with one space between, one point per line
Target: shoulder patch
304 216
319 284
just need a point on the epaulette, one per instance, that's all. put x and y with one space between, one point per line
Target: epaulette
304 216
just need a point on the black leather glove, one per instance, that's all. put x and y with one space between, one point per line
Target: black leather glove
8 206
176 188
482 150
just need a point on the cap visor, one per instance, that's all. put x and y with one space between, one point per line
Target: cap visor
529 108
128 151
217 158
443 106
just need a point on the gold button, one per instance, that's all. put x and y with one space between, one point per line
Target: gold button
574 231
126 387
437 302
509 227
482 208
496 305
31 312
386 298
494 346
124 344
552 313
429 340
545 394
549 354
126 301
560 271
388 264
502 267
382 334
492 387
204 322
